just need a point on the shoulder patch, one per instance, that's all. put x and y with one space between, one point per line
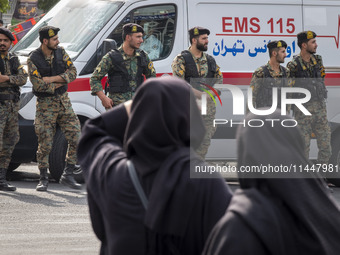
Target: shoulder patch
150 65
66 57
36 73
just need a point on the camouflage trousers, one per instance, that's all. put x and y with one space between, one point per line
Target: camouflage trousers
208 121
9 130
318 124
50 112
119 98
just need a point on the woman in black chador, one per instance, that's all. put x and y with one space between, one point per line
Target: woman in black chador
272 214
156 136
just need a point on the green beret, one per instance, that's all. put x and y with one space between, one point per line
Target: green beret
277 44
7 33
48 32
132 28
305 36
198 31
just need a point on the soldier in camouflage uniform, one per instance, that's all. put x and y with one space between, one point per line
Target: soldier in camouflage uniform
270 75
308 70
12 75
125 67
50 70
192 64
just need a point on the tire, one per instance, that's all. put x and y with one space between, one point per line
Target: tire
12 166
57 158
57 155
334 176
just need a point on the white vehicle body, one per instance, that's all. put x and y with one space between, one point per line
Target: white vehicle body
240 30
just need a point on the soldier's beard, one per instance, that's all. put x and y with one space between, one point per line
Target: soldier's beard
50 48
3 50
280 60
202 47
311 52
133 46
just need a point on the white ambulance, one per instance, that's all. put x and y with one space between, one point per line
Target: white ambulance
240 30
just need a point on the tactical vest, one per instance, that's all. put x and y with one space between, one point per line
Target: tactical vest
119 78
14 90
264 96
192 72
46 70
314 84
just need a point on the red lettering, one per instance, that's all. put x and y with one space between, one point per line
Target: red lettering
241 27
290 23
256 27
225 24
279 22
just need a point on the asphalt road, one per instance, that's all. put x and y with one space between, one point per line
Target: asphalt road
53 222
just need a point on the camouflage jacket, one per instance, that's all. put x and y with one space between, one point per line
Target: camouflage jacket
39 85
258 76
319 92
178 67
15 80
293 68
105 65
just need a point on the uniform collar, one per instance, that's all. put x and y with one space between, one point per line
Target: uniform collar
200 58
303 63
271 69
5 56
136 52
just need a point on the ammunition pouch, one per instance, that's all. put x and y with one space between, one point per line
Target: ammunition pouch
315 86
118 84
264 96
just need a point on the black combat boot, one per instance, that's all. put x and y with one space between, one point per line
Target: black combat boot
43 181
68 179
4 185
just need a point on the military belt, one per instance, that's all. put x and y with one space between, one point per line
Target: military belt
58 91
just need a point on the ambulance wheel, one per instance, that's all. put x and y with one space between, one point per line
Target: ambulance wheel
57 158
57 155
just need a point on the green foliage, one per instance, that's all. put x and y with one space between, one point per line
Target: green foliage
46 5
4 6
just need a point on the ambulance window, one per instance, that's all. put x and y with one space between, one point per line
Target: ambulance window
159 23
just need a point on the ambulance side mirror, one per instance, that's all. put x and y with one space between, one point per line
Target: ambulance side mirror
108 44
105 47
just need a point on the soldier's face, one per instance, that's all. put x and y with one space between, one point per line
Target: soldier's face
311 46
53 42
135 40
5 43
202 42
281 55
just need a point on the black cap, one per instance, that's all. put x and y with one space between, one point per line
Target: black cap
277 44
305 36
132 28
48 32
198 31
7 33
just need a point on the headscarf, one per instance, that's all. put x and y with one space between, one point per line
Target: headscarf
162 112
164 127
288 215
